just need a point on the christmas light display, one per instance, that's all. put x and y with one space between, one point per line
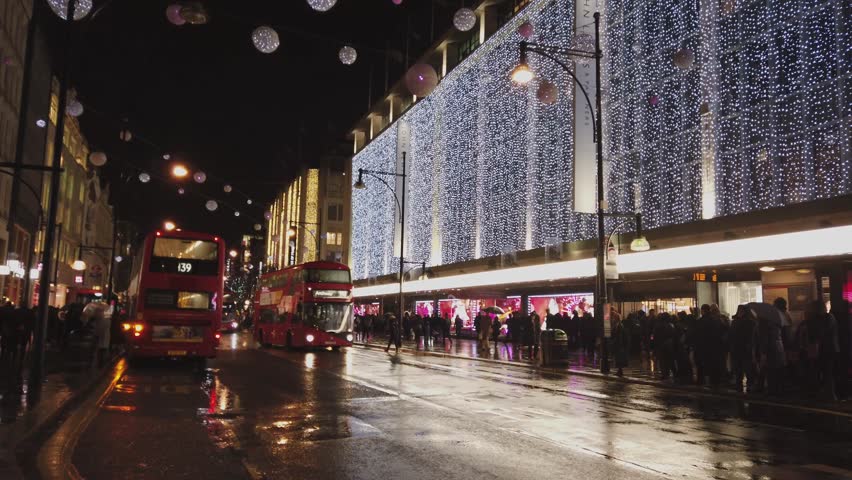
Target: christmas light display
265 39
710 109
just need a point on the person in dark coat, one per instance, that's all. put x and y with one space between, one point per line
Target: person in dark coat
682 365
574 328
589 332
394 333
707 338
427 331
664 337
742 347
459 326
495 330
620 343
446 326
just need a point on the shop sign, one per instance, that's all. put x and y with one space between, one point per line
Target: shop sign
78 279
705 277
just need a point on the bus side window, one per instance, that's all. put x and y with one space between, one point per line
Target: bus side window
267 316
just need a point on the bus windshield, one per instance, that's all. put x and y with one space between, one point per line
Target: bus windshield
185 256
329 317
327 276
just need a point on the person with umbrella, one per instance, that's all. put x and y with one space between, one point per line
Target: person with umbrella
769 347
742 347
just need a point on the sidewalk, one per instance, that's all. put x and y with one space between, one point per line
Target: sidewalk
19 423
640 371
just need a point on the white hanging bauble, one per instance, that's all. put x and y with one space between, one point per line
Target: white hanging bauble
464 19
60 7
211 205
322 5
98 159
347 55
265 39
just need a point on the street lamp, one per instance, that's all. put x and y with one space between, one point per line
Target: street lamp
179 171
522 75
169 225
377 174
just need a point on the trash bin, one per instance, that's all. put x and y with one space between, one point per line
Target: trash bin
554 346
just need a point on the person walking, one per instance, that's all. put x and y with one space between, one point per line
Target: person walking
589 331
620 343
708 337
368 328
395 333
495 330
102 332
427 332
827 348
742 348
447 326
486 333
574 328
769 351
664 344
459 326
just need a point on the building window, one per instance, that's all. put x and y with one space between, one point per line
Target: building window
333 238
335 213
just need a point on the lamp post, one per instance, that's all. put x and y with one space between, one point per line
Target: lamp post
400 204
522 74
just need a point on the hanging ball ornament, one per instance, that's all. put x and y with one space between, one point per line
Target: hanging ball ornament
125 135
526 30
227 189
258 227
173 14
397 2
40 123
421 79
347 55
60 7
74 108
322 5
464 19
267 214
144 177
98 159
211 205
181 191
654 100
547 93
684 59
236 213
199 177
194 13
265 39
248 201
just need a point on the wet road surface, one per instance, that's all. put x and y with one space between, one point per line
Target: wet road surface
361 414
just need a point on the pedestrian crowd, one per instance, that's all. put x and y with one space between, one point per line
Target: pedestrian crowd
75 324
757 350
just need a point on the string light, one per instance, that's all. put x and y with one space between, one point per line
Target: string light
708 112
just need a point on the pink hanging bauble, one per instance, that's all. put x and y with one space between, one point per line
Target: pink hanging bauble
421 79
526 30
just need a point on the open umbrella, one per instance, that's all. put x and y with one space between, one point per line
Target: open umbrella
768 312
494 310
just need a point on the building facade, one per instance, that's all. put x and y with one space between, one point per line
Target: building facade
310 220
22 46
716 114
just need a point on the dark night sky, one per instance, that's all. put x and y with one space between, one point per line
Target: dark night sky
204 94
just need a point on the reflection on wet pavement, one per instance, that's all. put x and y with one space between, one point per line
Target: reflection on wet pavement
365 414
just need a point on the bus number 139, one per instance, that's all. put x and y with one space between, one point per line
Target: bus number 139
184 267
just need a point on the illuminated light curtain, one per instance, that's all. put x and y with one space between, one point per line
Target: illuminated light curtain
770 78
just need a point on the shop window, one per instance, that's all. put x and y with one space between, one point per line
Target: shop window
734 294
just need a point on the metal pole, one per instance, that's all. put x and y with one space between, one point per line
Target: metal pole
112 256
402 240
37 365
56 262
601 294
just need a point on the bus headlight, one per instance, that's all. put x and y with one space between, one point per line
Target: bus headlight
234 325
349 337
138 327
309 338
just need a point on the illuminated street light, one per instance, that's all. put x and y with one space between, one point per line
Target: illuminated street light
179 171
233 253
169 226
78 265
522 74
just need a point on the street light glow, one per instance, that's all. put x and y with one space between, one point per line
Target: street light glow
179 171
233 253
169 225
522 74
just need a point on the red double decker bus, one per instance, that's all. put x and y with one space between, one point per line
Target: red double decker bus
307 305
175 296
